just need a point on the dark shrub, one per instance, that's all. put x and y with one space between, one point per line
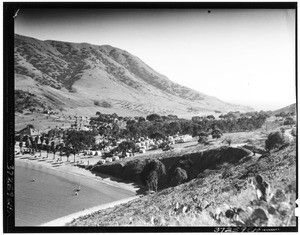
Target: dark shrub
185 164
179 176
202 133
153 117
289 121
157 135
275 140
203 140
152 173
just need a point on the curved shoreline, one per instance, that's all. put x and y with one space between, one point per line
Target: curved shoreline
80 172
67 171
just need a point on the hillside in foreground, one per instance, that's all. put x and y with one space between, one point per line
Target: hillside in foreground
227 185
83 78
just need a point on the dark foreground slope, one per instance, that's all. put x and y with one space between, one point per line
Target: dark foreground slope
228 185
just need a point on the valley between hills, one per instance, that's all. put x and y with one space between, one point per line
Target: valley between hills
206 162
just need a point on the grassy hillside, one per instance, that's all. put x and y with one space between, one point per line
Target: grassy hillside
77 76
288 109
26 100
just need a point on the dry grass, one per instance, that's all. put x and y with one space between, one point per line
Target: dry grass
40 121
94 73
197 199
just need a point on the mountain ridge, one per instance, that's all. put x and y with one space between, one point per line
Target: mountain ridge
87 74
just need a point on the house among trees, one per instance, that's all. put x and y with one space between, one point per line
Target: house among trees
28 130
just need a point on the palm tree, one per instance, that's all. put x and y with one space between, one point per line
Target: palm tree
61 148
27 144
34 147
21 145
47 146
40 146
31 144
56 148
216 134
36 139
74 155
53 149
25 138
68 152
42 138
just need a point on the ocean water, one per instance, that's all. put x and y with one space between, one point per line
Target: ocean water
52 195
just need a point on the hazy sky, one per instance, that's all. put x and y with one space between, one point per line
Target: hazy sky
240 56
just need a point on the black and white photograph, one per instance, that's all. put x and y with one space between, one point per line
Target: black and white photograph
134 116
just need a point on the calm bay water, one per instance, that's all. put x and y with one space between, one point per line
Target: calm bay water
52 195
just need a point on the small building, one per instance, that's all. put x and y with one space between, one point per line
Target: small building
29 131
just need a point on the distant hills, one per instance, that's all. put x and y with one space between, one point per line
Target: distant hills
83 78
288 109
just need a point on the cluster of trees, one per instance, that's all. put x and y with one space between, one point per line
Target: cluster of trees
73 141
37 144
178 172
157 127
284 114
113 127
289 121
152 174
155 176
231 122
287 117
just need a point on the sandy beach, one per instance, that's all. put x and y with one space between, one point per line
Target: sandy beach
51 199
